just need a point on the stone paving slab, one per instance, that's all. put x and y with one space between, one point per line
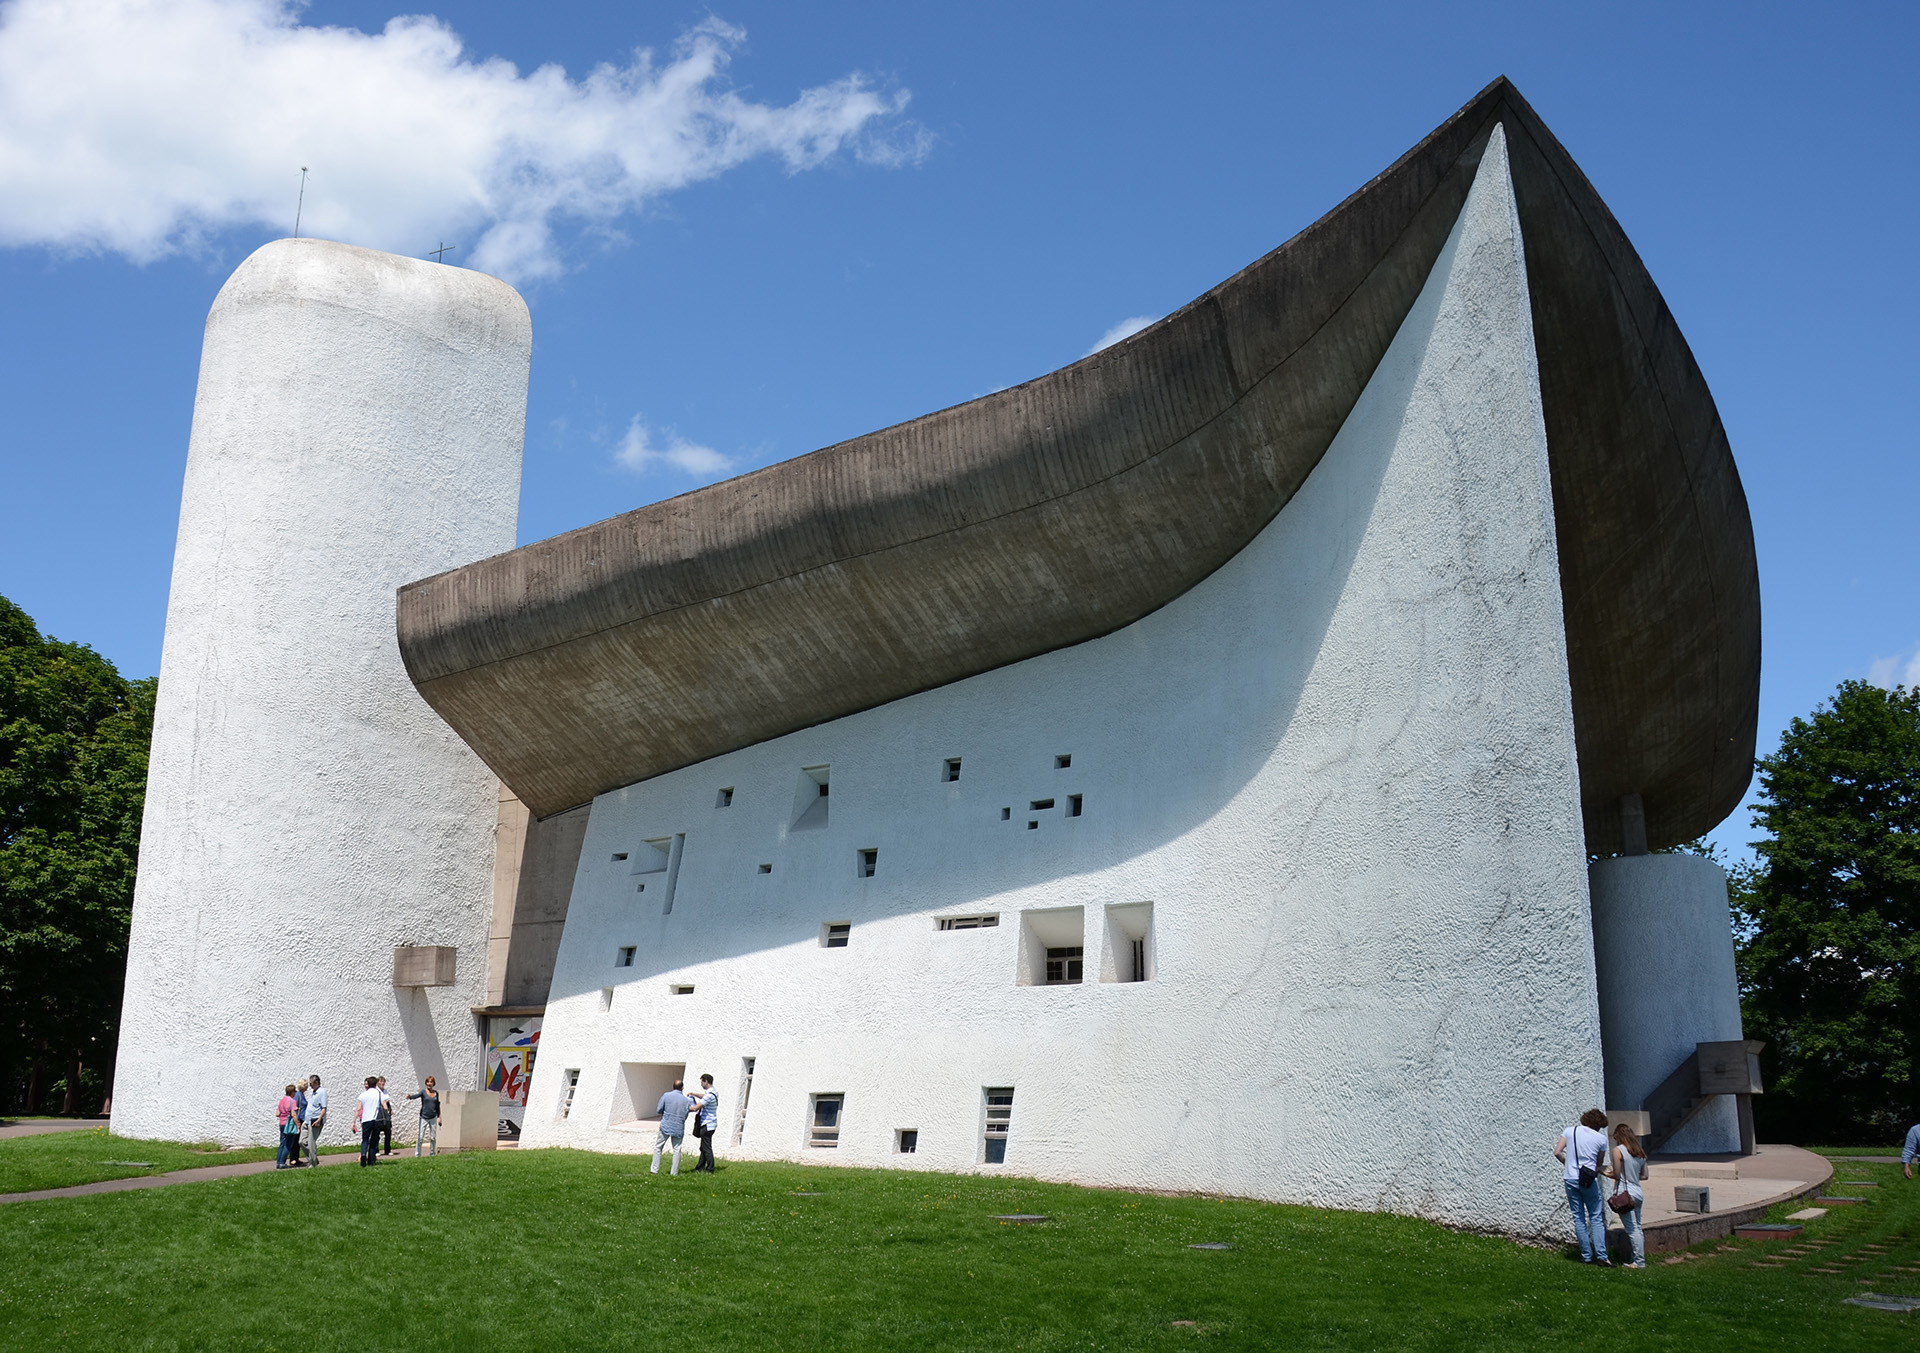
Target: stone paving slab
199 1174
9 1128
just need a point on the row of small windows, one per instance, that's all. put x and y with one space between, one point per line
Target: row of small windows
826 1118
1053 944
816 785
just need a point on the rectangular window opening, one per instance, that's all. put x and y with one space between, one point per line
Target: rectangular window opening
869 861
810 798
1062 762
999 1118
1033 824
746 1093
1065 965
1073 805
1005 813
835 934
637 1092
823 1128
968 922
624 959
1039 805
906 1141
1129 950
619 855
606 999
952 770
725 799
568 1086
1052 947
680 988
766 869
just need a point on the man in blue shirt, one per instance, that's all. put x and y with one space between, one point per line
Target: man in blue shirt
707 1118
1911 1151
674 1105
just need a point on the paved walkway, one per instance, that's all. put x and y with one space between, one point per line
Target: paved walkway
1742 1188
194 1176
9 1128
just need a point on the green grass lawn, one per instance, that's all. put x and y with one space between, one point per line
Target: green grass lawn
559 1249
55 1160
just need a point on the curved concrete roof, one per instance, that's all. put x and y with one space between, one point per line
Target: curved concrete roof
1070 506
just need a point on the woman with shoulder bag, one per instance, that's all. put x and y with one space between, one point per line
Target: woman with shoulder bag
1629 1167
289 1132
1580 1150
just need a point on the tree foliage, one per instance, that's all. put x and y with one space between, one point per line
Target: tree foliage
1829 921
73 770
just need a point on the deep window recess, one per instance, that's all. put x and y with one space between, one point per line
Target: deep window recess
660 856
824 1129
681 988
619 855
906 1140
624 959
606 998
810 798
571 1084
1062 762
1064 965
1129 951
999 1119
726 798
1033 824
869 860
836 934
746 1093
1073 805
951 771
1039 805
766 869
1005 813
968 922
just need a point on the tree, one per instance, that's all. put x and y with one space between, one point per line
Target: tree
1828 920
73 770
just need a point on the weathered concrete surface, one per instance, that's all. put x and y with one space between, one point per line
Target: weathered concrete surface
358 422
1341 769
1073 505
1663 956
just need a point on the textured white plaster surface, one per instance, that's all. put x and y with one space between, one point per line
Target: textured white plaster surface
1342 771
1663 961
358 425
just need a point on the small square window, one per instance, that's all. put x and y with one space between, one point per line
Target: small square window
869 861
824 1128
952 769
906 1140
1005 813
624 959
1065 965
836 934
1033 824
1062 762
766 869
726 798
1073 805
680 988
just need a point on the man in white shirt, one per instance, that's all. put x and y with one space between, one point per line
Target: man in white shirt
369 1115
316 1119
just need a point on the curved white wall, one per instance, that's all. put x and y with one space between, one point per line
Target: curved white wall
1341 770
1663 959
357 426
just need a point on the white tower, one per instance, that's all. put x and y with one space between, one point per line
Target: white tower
358 425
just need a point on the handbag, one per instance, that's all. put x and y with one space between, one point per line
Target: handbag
1622 1201
1587 1173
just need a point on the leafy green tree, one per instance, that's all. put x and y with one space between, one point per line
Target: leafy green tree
73 770
1829 921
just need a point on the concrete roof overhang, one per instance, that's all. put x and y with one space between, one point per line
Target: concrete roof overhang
1065 508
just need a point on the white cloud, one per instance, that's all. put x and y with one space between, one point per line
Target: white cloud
139 126
637 452
1126 328
1902 669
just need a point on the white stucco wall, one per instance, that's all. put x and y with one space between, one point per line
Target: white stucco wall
358 425
1342 772
1663 959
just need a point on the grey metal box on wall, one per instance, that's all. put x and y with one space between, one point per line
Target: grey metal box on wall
423 965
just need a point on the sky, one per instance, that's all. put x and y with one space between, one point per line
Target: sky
749 230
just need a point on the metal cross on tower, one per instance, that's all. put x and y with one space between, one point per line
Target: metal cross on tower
441 250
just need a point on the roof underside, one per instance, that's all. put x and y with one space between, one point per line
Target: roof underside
1065 508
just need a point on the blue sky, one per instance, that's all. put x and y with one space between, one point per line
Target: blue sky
971 196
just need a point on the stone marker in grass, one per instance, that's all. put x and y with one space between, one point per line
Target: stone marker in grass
1019 1218
1767 1230
1211 1245
1881 1302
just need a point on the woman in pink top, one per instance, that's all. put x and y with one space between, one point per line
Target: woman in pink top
289 1131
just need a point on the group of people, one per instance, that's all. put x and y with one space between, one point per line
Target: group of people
1589 1155
676 1106
302 1113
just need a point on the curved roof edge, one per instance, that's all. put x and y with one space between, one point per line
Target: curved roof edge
1072 505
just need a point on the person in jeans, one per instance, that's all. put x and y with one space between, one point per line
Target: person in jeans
1580 1150
289 1112
386 1119
367 1115
673 1125
429 1134
1629 1167
299 1118
706 1120
315 1119
1910 1152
